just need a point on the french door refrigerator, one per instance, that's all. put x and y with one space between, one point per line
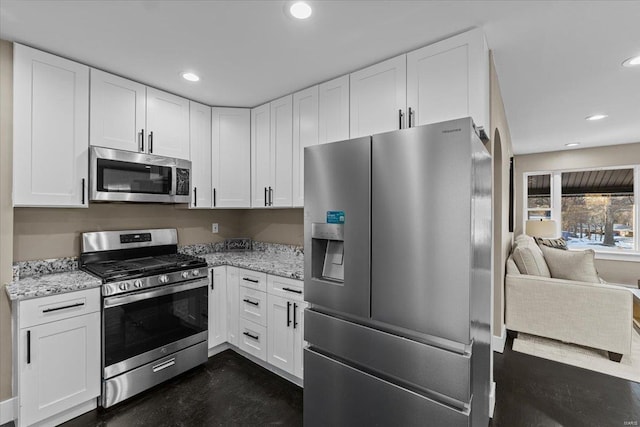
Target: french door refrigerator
397 274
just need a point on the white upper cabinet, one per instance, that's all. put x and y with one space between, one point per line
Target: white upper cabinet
282 151
449 80
231 157
333 116
50 130
378 97
305 134
118 112
129 116
260 155
167 124
200 154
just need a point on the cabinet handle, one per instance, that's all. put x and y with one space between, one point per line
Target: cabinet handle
255 337
141 140
214 197
195 197
251 302
64 307
297 291
212 281
246 279
410 114
83 191
400 117
270 196
150 142
265 196
164 365
295 308
288 316
28 347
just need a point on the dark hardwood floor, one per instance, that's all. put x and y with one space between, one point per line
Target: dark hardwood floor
230 390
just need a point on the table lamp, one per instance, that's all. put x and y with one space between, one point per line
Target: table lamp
541 228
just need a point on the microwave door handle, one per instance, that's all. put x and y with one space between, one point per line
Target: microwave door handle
174 181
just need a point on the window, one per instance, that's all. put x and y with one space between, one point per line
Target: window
595 208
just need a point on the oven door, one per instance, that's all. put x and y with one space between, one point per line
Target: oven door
141 327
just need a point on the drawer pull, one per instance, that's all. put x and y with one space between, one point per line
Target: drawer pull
251 302
164 365
297 291
255 337
64 307
246 279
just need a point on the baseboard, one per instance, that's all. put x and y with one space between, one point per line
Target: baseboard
498 343
218 349
8 410
492 399
269 367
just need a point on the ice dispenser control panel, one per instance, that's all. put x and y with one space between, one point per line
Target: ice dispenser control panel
327 261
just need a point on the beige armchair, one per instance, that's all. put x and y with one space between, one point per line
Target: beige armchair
589 314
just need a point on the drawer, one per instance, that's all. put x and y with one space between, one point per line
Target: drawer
252 279
57 307
284 287
253 338
253 305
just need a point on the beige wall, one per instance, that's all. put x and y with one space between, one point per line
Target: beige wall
275 225
501 151
616 155
6 212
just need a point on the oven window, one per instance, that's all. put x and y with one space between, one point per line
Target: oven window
137 327
115 176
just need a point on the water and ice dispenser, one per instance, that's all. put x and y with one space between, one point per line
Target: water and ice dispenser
327 261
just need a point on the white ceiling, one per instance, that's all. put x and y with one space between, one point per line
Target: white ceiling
557 61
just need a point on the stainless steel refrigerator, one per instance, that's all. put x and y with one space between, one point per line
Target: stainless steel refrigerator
398 275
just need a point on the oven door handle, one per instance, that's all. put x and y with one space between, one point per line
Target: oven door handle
146 294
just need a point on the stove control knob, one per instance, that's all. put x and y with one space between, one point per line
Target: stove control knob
123 286
185 274
137 283
195 272
164 278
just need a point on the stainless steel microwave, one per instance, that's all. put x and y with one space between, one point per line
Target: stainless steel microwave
125 176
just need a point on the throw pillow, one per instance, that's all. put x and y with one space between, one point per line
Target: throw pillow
552 243
571 265
529 260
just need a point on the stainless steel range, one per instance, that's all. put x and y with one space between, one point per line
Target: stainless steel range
154 308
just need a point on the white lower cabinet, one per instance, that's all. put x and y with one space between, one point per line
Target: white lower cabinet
252 338
232 305
58 356
217 306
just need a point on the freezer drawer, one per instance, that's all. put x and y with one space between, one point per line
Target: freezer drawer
336 394
424 367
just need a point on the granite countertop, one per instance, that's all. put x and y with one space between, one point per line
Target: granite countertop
279 263
51 284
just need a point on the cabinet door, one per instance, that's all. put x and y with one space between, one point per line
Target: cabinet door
200 148
378 97
333 117
59 366
282 151
167 124
231 161
260 155
280 333
449 80
298 338
232 305
305 134
218 306
118 109
50 130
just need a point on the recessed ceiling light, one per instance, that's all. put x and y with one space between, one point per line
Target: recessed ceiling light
632 62
300 10
596 117
190 76
572 144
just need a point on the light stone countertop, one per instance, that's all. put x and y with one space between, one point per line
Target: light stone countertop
285 264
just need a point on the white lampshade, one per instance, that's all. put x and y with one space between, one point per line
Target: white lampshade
542 228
